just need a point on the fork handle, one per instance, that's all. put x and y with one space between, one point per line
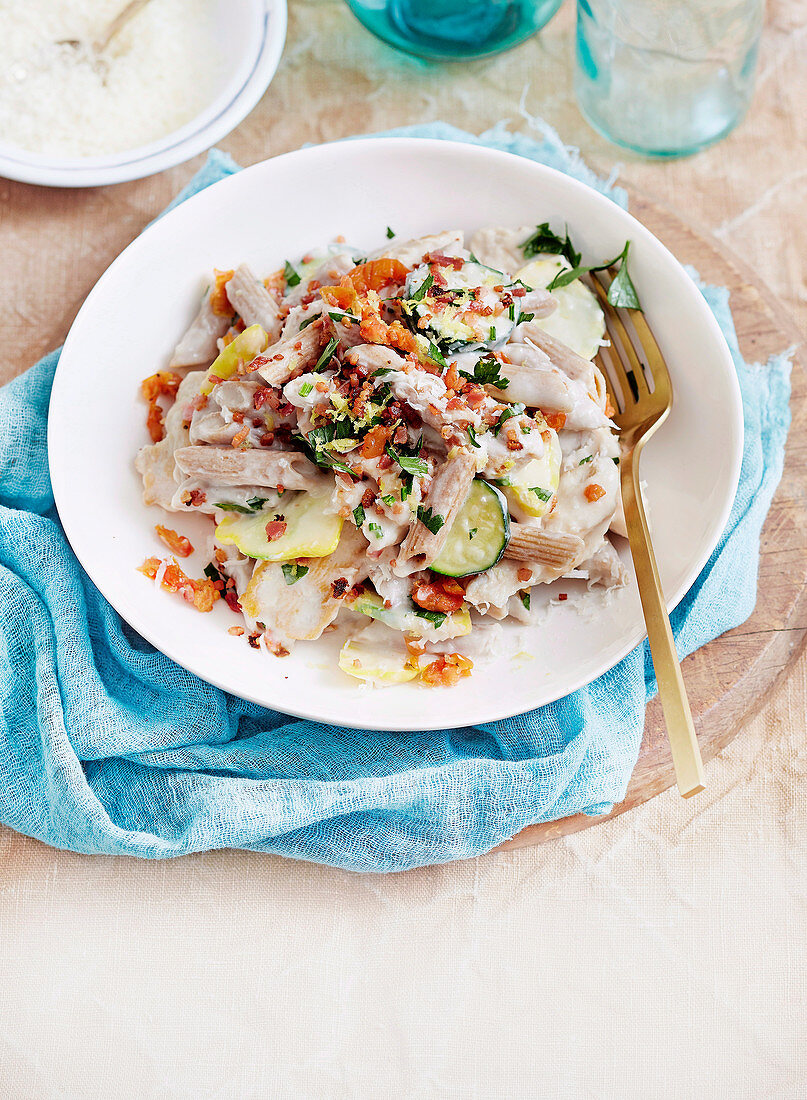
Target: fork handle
672 693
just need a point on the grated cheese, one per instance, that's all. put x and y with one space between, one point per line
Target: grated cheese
158 73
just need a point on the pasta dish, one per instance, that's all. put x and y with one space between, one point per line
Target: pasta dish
401 446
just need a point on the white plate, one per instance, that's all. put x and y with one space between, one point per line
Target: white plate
281 208
251 35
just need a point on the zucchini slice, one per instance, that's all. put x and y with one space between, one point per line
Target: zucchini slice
413 620
310 531
479 534
532 487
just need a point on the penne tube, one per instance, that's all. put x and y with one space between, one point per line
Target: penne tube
287 357
446 495
227 466
199 346
574 366
547 547
534 387
253 302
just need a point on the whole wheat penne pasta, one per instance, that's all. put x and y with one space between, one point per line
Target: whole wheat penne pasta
253 302
410 252
199 346
228 466
447 494
547 547
287 357
574 366
156 463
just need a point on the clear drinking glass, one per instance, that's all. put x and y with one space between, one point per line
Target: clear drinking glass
666 77
450 30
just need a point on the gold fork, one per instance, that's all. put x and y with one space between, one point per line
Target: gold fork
633 362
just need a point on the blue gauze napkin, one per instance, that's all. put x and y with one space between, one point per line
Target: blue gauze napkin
107 746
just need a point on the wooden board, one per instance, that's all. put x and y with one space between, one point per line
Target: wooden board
730 678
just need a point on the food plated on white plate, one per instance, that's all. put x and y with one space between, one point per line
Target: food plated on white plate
400 446
291 208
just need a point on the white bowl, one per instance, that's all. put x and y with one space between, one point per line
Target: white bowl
251 35
282 208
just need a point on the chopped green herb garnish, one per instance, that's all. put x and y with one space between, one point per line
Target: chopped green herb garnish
358 515
544 240
309 321
212 573
327 354
254 504
412 464
524 317
431 520
503 481
583 461
542 494
486 373
492 333
435 617
525 599
615 461
406 488
388 499
621 292
472 436
390 233
381 371
472 532
375 528
293 571
511 312
292 276
339 317
421 291
306 388
437 356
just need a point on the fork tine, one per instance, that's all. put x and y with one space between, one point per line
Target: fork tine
655 360
616 328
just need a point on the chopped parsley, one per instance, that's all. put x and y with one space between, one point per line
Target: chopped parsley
437 356
615 461
525 599
507 412
341 317
437 618
292 276
422 290
542 494
327 354
544 240
492 333
472 435
293 571
409 463
306 388
433 521
388 499
471 533
212 573
309 321
376 529
621 292
379 372
358 515
486 373
254 504
583 461
511 312
524 317
390 233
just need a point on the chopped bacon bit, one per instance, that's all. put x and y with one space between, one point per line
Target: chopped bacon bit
200 401
445 595
376 274
384 462
339 587
219 302
267 439
254 640
593 492
441 260
201 593
478 307
276 281
231 599
368 497
524 574
236 631
238 417
446 670
322 386
399 435
438 276
411 416
563 596
164 383
474 395
513 442
374 442
178 543
275 529
154 422
452 378
555 420
518 291
241 436
196 497
455 403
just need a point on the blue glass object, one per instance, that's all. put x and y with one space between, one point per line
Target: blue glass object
666 77
452 30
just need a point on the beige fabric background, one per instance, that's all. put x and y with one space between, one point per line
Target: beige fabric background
659 955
